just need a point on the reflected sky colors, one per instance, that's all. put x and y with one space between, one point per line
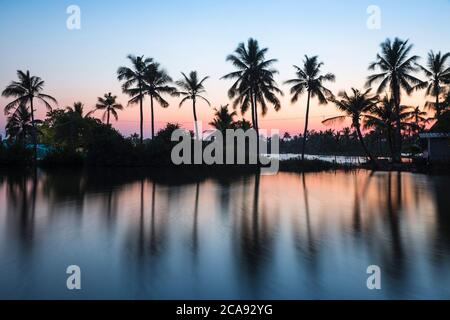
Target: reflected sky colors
198 34
287 236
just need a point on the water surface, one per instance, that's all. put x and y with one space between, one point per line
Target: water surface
289 236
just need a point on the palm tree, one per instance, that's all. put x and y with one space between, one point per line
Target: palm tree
243 124
310 79
383 118
223 119
25 91
156 82
109 104
19 124
134 81
78 110
438 74
192 88
395 67
418 118
254 81
355 107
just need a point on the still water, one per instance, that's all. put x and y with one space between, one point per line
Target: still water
289 236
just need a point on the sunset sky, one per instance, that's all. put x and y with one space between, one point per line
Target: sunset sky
80 65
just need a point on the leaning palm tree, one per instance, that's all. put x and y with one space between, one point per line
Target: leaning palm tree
26 91
310 79
396 67
438 75
192 89
156 83
109 105
19 124
134 82
355 107
254 83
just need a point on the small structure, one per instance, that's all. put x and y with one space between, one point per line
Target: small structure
438 149
438 140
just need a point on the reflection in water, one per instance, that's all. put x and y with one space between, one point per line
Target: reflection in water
293 236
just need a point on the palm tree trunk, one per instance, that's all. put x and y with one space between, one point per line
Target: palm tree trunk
390 144
438 108
306 125
107 118
34 131
257 128
398 136
361 140
195 119
252 104
141 124
153 117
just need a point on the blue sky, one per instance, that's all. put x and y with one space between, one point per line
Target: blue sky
197 35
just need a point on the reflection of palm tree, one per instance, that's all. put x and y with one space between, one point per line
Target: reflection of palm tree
195 224
26 91
356 208
393 211
141 238
309 79
192 89
310 236
153 239
23 201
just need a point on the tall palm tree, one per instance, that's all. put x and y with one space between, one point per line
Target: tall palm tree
192 89
223 119
25 91
109 104
438 75
355 107
156 83
134 81
396 67
254 81
310 79
19 124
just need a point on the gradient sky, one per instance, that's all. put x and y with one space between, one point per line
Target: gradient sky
81 65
